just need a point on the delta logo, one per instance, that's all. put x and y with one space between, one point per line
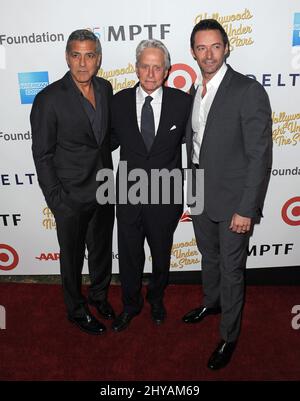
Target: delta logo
186 217
53 256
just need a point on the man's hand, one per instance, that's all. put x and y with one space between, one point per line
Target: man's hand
240 224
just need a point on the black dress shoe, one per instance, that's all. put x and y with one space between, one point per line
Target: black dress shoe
88 323
158 313
197 315
221 355
122 321
104 309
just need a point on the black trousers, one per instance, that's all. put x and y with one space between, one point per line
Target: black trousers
224 256
91 229
152 225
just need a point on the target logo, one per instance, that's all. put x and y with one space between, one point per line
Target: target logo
291 211
186 217
181 76
9 258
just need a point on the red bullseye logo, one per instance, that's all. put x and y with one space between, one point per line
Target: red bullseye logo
9 258
291 211
181 76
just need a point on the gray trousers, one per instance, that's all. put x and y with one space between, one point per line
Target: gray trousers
224 256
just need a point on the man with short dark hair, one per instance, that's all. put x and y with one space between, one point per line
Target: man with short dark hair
229 136
70 143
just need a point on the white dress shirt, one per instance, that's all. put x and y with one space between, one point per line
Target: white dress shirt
201 109
155 103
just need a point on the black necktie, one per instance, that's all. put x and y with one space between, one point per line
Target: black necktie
147 123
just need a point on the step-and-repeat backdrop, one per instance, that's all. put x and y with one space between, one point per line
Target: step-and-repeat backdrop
265 44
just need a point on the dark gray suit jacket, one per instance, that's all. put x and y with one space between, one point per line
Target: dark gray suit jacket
66 151
236 148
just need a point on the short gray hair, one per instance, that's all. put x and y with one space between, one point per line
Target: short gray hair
153 43
81 35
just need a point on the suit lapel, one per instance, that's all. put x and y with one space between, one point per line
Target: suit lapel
189 129
102 109
161 129
76 104
219 99
164 121
216 106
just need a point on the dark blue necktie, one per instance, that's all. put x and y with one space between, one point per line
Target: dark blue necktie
147 123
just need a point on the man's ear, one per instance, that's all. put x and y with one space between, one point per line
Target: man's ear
67 59
226 50
193 54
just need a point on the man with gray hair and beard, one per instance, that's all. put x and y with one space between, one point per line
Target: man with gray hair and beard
148 123
70 143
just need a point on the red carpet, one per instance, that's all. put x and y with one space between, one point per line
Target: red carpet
40 344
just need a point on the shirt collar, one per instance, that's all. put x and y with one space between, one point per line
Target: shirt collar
216 79
76 87
156 95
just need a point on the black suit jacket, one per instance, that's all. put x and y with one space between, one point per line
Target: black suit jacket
165 152
66 151
236 148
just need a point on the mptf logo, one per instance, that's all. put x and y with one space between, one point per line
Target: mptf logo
290 211
9 258
181 76
129 32
31 83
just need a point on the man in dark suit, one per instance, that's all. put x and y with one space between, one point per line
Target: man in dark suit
70 143
148 122
229 136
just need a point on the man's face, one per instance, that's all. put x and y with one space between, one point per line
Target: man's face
83 60
209 51
151 69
